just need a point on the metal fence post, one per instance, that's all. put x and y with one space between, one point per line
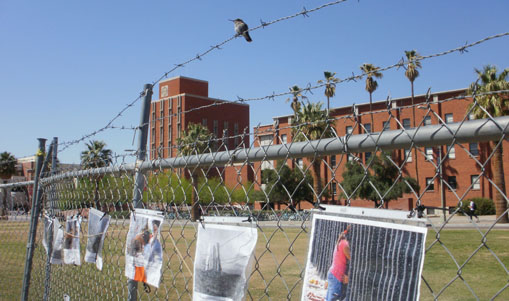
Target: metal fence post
47 279
139 183
36 198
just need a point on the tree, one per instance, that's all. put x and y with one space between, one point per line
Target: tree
194 141
296 95
371 71
330 86
7 169
358 182
412 73
313 124
287 185
95 156
494 105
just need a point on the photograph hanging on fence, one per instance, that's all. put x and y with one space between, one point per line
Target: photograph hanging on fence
98 223
53 232
72 240
359 259
144 252
223 261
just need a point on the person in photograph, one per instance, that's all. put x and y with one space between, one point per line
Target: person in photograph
471 210
70 234
337 272
139 244
155 253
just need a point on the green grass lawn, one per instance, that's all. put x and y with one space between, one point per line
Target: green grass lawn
280 260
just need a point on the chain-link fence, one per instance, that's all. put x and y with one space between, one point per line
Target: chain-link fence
432 169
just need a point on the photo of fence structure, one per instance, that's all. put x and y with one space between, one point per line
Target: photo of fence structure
138 214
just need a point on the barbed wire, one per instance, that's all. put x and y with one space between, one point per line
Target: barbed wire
309 88
199 56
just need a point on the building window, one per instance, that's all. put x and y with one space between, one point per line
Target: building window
236 133
154 112
451 180
367 127
164 91
367 156
452 152
267 165
153 134
161 134
406 123
349 130
179 130
333 161
408 155
386 125
448 118
476 185
204 122
430 184
284 139
300 162
474 149
170 107
349 157
265 140
429 153
215 128
334 188
427 120
471 116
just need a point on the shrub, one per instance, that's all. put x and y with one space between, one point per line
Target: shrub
484 206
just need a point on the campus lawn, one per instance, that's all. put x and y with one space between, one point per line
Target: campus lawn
280 260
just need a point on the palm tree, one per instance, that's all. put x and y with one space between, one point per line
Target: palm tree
313 125
412 73
296 95
494 105
194 141
330 86
371 71
7 169
95 156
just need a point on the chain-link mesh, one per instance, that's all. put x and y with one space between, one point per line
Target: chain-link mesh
273 179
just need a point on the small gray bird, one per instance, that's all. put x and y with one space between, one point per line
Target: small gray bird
241 29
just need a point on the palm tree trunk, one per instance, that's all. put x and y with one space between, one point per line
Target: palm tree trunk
415 148
195 206
96 193
4 201
498 178
328 107
317 180
371 112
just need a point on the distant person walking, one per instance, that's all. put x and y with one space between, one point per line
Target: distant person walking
471 210
337 276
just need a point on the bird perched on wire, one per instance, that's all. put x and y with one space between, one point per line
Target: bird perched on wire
242 29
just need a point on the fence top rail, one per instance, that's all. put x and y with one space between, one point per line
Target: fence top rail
480 130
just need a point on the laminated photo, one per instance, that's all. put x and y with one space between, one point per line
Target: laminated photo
72 240
360 259
144 251
98 223
53 227
223 262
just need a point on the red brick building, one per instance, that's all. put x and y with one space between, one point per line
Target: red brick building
460 169
179 104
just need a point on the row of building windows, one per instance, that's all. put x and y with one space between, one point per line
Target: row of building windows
430 185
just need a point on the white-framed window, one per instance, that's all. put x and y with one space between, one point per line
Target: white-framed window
164 91
349 157
474 148
452 152
267 165
449 118
284 139
429 153
300 162
367 127
471 116
265 140
476 182
430 184
408 155
406 123
334 188
427 120
333 161
349 130
451 180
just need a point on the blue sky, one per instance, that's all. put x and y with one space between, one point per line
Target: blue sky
68 67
